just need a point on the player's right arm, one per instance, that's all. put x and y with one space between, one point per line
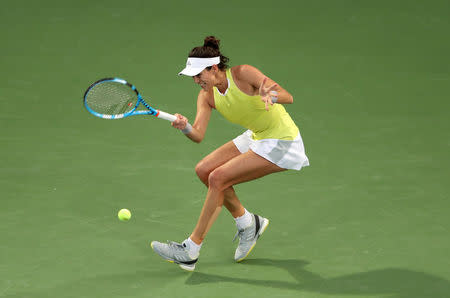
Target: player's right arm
204 106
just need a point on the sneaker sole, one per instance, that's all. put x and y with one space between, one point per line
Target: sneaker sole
261 231
189 268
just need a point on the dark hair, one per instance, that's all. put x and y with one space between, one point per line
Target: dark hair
210 49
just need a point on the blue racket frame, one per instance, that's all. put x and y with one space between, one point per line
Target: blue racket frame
151 111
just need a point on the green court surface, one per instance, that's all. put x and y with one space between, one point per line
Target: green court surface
369 218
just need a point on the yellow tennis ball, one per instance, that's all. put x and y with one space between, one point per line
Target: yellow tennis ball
124 214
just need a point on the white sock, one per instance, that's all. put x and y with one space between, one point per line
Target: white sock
244 221
193 248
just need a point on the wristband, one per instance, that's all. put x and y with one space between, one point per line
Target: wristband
274 96
187 129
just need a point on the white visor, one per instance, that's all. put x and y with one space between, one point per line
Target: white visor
194 66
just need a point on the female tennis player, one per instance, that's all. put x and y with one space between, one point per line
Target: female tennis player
272 143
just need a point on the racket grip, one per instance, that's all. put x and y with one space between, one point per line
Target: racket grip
166 116
172 118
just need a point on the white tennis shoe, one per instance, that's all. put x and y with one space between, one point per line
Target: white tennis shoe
176 253
248 237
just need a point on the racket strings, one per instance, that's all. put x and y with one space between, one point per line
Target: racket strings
111 98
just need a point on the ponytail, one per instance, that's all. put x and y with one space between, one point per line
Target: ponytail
210 48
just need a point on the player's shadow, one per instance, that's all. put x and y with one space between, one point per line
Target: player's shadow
397 283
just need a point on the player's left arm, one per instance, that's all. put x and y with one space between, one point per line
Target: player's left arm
268 89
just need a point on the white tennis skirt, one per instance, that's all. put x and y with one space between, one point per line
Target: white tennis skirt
283 153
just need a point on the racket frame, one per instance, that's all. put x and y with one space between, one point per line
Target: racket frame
134 111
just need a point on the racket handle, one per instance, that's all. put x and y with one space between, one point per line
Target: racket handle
172 118
166 116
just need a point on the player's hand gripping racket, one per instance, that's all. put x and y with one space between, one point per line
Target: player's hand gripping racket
115 98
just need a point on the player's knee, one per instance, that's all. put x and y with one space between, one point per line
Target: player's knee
202 172
217 179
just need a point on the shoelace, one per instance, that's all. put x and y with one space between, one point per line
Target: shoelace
175 245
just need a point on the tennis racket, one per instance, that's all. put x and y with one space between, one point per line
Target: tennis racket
114 98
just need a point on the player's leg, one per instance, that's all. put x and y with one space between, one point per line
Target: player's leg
186 253
214 160
244 167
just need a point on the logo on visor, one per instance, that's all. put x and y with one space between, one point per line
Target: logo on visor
188 63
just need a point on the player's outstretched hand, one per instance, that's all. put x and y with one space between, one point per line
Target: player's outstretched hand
267 93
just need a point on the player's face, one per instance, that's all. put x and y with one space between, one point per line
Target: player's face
204 79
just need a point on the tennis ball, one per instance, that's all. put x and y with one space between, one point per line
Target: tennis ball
124 214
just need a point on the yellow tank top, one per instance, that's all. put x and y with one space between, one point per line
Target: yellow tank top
249 112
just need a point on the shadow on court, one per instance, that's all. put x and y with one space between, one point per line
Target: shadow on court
394 282
390 282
